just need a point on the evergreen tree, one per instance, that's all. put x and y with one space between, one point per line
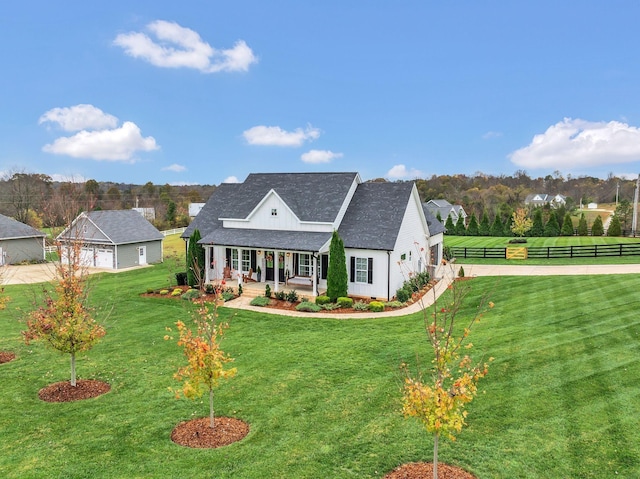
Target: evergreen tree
597 229
497 227
439 217
195 260
537 229
567 226
449 226
485 228
507 227
472 229
552 228
337 279
615 228
583 229
461 230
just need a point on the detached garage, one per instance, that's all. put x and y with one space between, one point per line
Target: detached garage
19 242
114 239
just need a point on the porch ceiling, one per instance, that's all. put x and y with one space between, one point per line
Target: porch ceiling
267 239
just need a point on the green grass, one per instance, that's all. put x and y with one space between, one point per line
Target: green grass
322 396
503 242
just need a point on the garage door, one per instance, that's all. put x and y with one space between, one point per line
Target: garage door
86 257
104 258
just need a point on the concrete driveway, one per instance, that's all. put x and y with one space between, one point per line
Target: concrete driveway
41 273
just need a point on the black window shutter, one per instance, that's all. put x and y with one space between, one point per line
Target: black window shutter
353 269
295 264
370 271
325 265
228 255
254 260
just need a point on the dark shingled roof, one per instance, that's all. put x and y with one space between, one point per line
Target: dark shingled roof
374 216
216 207
267 239
12 229
435 227
120 226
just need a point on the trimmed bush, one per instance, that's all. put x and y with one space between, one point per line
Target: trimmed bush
259 301
518 241
292 296
330 306
309 307
281 295
376 306
190 294
360 306
344 302
323 300
164 291
395 304
267 291
228 295
403 295
461 272
176 292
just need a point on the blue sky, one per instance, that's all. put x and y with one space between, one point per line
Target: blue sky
210 91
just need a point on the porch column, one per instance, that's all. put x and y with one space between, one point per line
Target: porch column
276 270
207 264
314 270
239 273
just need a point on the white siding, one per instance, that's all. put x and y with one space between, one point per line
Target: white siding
378 289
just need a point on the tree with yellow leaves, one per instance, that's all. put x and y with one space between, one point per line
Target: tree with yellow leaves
520 224
439 400
205 360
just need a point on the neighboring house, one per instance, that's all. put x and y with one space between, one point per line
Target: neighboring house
541 199
282 223
445 210
147 213
19 242
114 239
194 209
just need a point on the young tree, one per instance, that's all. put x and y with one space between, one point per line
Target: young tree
461 229
597 228
485 228
66 322
195 260
205 359
496 226
552 228
337 279
537 228
438 399
615 229
624 212
567 226
450 228
521 223
583 229
472 229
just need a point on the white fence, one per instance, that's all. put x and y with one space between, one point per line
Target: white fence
174 231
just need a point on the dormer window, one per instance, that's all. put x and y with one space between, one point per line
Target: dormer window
274 211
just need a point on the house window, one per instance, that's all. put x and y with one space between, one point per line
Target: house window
403 256
274 211
246 260
304 265
361 270
234 259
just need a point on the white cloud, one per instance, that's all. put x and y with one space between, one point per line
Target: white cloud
68 178
580 143
320 156
179 47
231 179
117 144
276 136
490 135
79 117
175 168
401 171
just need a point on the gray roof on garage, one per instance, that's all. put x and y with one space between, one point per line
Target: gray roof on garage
119 227
12 229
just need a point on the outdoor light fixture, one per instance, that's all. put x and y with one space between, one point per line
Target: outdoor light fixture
259 251
288 254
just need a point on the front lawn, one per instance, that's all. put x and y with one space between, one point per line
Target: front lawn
322 396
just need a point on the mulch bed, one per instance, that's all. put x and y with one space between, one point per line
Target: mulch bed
6 356
65 392
424 470
197 433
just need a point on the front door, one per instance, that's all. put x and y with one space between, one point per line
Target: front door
269 265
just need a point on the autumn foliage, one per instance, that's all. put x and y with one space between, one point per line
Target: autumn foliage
205 359
65 322
439 399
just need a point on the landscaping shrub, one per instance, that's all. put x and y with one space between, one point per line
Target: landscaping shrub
461 272
322 300
376 306
292 296
344 302
360 306
239 290
330 306
309 307
395 304
209 288
259 301
281 295
267 291
517 240
164 291
228 295
181 278
190 294
176 292
403 295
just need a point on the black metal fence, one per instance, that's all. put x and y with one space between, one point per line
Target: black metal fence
592 251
